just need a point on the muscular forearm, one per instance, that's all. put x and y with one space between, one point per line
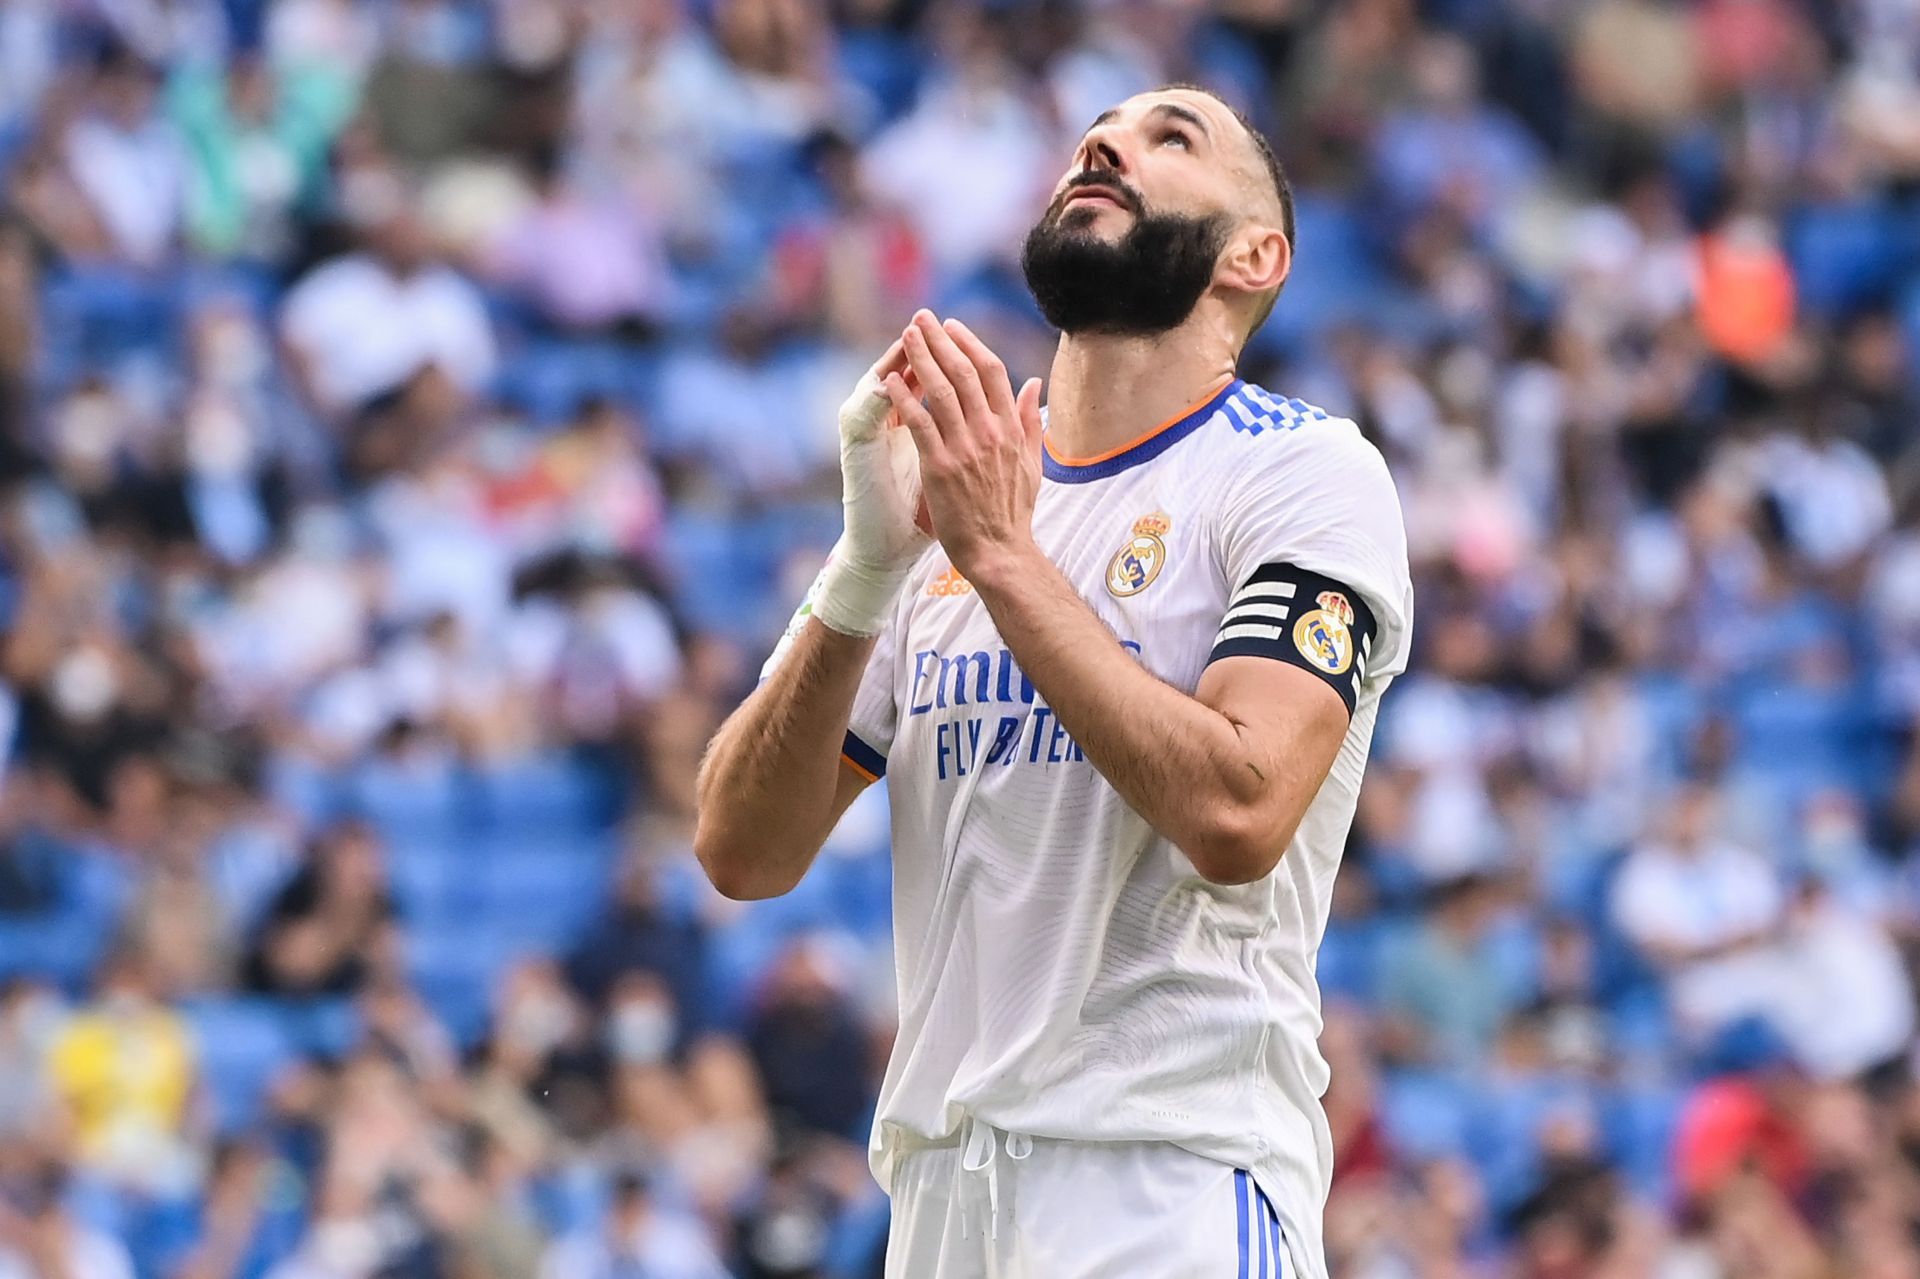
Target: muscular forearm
770 782
1184 766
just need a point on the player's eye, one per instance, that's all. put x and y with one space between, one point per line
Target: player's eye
1174 136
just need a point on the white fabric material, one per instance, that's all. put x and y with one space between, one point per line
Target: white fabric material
1846 1002
1002 1206
1063 971
1709 898
364 332
134 179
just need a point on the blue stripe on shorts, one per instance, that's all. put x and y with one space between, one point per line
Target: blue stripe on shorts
1240 1214
1265 1235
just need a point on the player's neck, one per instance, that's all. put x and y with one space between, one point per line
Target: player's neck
1104 392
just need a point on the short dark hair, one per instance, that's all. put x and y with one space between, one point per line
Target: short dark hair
1277 175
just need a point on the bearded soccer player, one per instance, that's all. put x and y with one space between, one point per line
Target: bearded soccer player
1124 694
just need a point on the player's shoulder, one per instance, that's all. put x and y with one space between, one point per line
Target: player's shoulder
1264 432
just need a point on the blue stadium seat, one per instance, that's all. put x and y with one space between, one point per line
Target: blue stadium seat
1843 255
63 948
97 317
420 802
431 881
549 381
1509 1114
1638 1122
323 1028
546 796
1426 1114
455 968
243 1044
310 791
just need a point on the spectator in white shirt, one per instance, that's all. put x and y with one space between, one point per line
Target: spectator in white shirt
366 324
126 159
1846 1001
1704 912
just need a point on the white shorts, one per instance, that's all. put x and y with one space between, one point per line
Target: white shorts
1004 1206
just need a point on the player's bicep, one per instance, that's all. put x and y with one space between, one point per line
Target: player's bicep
1291 724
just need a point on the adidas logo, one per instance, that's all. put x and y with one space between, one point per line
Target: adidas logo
949 583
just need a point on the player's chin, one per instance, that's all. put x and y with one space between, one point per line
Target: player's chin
1095 217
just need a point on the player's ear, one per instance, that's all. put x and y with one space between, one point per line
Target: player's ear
1258 259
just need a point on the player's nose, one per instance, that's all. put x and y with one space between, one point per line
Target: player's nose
1100 150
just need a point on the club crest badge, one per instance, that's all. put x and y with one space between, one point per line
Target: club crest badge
1324 636
1141 559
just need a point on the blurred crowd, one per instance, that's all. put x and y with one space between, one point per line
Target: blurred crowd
416 423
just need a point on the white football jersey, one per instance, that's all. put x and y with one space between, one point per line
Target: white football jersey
1063 970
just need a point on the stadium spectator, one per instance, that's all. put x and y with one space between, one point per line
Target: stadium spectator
378 321
127 159
640 934
637 1236
329 930
1446 980
1705 912
806 1040
587 266
124 1069
40 1236
257 140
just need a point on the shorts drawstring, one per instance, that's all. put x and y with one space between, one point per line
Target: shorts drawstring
981 1154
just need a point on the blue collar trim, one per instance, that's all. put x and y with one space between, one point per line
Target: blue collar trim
1142 451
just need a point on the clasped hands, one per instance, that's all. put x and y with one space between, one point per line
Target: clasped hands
978 442
933 443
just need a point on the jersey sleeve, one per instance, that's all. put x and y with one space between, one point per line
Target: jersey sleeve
1315 555
875 715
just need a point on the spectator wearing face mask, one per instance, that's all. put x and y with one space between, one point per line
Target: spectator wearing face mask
643 1024
540 1076
639 933
806 1038
639 1239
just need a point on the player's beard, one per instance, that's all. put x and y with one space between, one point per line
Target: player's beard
1146 282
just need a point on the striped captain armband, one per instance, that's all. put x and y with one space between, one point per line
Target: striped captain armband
1303 619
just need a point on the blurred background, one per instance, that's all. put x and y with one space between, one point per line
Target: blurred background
416 423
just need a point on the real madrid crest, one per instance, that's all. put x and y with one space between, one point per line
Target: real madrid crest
1141 559
1324 636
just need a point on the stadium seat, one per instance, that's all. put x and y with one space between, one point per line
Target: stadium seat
243 1046
1426 1114
1844 254
416 803
1639 1121
541 797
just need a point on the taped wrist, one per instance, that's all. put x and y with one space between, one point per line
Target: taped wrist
855 599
